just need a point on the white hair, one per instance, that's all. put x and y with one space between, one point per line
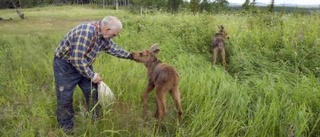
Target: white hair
111 22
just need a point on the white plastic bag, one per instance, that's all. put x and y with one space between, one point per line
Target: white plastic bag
105 95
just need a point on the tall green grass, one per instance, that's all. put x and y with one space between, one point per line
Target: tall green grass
270 85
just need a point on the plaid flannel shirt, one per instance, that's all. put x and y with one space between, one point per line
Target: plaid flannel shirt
82 45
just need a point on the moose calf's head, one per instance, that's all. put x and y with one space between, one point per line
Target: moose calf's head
146 56
222 32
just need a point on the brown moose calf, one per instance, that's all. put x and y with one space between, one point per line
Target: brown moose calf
218 44
162 77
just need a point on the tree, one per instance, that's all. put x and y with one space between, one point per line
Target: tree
194 5
271 6
173 5
205 6
253 3
21 15
220 5
148 4
246 5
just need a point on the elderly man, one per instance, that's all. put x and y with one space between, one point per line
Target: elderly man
73 59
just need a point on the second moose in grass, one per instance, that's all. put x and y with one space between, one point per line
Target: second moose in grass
218 44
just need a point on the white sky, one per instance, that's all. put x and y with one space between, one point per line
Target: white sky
295 2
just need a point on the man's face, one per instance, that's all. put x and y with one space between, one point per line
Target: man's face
109 33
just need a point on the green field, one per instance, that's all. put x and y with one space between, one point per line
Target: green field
270 88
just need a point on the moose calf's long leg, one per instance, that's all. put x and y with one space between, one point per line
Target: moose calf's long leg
215 54
161 103
223 56
145 98
176 97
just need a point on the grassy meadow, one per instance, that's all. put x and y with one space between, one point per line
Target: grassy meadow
270 88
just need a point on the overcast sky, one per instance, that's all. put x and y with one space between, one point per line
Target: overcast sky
295 2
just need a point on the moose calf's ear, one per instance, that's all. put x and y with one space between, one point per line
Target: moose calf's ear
155 45
154 49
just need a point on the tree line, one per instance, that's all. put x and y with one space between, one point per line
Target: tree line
171 5
141 5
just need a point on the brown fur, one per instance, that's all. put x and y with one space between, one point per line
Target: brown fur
218 44
162 77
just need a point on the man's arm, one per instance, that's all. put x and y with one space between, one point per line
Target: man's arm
115 50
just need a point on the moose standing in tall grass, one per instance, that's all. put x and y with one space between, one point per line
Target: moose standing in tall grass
161 76
219 45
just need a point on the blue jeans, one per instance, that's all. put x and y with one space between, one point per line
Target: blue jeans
66 78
